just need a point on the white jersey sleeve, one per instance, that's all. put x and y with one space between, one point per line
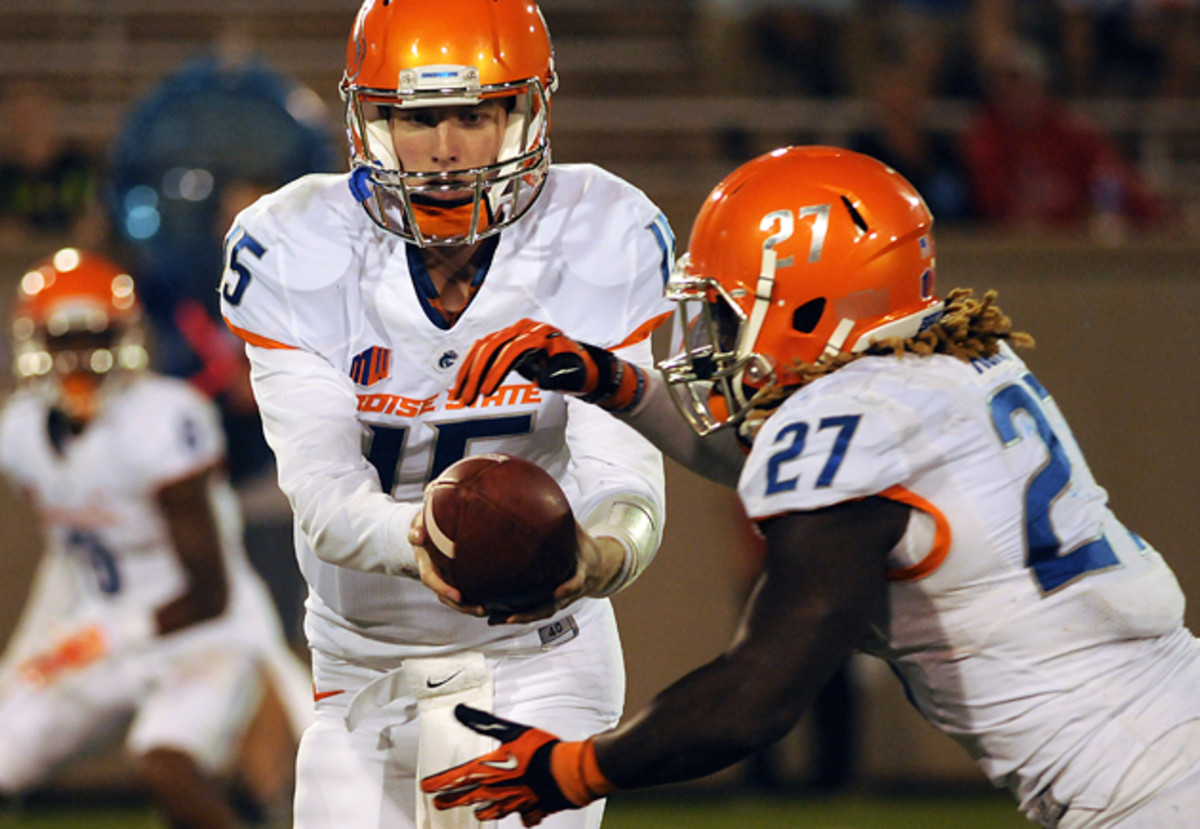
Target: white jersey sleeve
607 456
14 439
288 259
619 250
820 449
309 419
609 460
184 438
289 244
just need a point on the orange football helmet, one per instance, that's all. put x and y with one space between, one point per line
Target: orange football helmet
422 53
798 256
76 325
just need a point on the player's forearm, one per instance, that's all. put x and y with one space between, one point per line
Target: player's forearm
718 457
349 522
707 721
309 422
824 582
621 488
191 521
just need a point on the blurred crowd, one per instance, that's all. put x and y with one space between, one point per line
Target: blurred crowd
1021 158
1025 159
833 48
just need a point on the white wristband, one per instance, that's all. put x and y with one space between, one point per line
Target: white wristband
633 521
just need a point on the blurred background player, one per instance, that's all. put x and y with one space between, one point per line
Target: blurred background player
145 612
356 295
207 140
922 498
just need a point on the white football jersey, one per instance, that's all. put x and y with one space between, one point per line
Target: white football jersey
97 500
1025 620
352 365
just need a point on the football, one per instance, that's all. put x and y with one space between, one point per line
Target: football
500 531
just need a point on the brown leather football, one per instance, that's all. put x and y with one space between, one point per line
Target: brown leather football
501 531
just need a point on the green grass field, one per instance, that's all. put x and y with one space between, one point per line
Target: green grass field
978 810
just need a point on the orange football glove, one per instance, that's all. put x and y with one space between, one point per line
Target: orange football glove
532 773
554 361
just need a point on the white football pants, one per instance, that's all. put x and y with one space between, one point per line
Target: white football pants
357 764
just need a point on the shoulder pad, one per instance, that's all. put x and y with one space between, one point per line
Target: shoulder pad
308 231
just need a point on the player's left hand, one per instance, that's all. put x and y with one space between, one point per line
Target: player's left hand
532 773
548 357
447 595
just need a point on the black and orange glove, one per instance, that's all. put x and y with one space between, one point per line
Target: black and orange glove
532 773
554 361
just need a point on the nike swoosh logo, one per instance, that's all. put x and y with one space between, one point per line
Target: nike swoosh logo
489 726
507 764
429 683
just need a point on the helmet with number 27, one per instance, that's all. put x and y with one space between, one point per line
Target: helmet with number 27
797 257
417 54
77 330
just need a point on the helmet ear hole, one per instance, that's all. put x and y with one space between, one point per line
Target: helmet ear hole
806 317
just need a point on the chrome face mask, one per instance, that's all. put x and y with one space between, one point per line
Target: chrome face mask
481 201
711 363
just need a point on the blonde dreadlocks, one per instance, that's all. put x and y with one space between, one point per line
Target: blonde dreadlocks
969 328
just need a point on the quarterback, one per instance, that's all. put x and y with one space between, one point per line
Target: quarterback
922 498
357 295
145 608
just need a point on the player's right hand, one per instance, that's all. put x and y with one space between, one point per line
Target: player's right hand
447 595
548 357
532 773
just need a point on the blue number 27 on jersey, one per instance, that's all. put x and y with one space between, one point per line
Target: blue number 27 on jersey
1051 564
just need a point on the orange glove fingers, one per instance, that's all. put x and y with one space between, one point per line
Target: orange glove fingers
473 367
475 373
508 355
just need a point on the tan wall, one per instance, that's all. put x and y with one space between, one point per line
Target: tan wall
1114 331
